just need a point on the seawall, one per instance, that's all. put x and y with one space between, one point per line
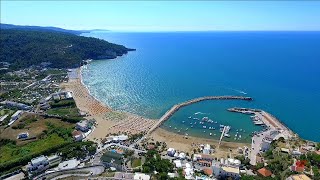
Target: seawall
176 107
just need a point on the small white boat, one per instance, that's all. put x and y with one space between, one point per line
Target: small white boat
169 126
179 131
204 127
187 129
183 121
175 127
189 117
210 134
191 126
204 131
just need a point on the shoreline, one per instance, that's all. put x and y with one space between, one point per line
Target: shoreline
111 121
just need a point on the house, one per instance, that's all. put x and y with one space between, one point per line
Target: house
141 176
38 165
182 156
188 172
68 95
285 150
299 166
54 160
264 172
208 171
298 177
229 171
83 126
171 152
77 135
224 170
177 163
23 135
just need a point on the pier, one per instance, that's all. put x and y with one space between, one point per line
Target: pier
265 117
222 134
176 107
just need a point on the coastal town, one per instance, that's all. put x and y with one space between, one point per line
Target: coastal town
53 128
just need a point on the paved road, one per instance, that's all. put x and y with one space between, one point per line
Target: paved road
255 146
93 170
119 145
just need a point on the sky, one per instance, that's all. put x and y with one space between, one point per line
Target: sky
166 15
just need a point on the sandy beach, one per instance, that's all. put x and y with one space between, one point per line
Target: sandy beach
179 142
108 120
115 122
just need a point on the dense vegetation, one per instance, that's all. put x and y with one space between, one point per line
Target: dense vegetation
23 48
40 28
154 162
50 141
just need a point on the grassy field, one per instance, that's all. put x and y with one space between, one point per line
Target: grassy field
5 111
33 124
136 163
70 111
11 152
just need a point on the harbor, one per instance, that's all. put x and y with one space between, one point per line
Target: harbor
176 107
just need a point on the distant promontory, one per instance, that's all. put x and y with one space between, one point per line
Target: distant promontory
23 48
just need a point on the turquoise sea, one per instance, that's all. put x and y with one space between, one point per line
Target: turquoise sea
280 70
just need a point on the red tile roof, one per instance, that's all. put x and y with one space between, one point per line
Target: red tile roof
264 172
208 171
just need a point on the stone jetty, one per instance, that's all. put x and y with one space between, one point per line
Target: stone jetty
176 107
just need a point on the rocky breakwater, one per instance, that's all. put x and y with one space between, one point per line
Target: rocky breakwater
176 107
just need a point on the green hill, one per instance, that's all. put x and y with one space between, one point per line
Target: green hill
23 48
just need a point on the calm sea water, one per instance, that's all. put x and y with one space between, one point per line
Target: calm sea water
280 70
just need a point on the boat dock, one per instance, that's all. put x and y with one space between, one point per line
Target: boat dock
265 118
222 135
176 107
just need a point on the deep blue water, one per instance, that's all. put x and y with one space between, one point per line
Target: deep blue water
280 70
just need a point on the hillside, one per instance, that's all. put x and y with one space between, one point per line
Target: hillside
39 28
23 48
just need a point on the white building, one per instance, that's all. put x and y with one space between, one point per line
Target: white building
182 155
83 126
171 152
2 118
68 95
206 149
15 117
226 168
141 176
38 164
177 163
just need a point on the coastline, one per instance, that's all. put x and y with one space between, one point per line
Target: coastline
190 143
110 121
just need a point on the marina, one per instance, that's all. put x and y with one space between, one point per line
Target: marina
176 107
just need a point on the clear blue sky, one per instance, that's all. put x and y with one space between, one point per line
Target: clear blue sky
165 15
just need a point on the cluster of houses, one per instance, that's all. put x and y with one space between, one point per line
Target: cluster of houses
211 166
42 163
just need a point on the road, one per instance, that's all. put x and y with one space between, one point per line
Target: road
87 171
255 146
